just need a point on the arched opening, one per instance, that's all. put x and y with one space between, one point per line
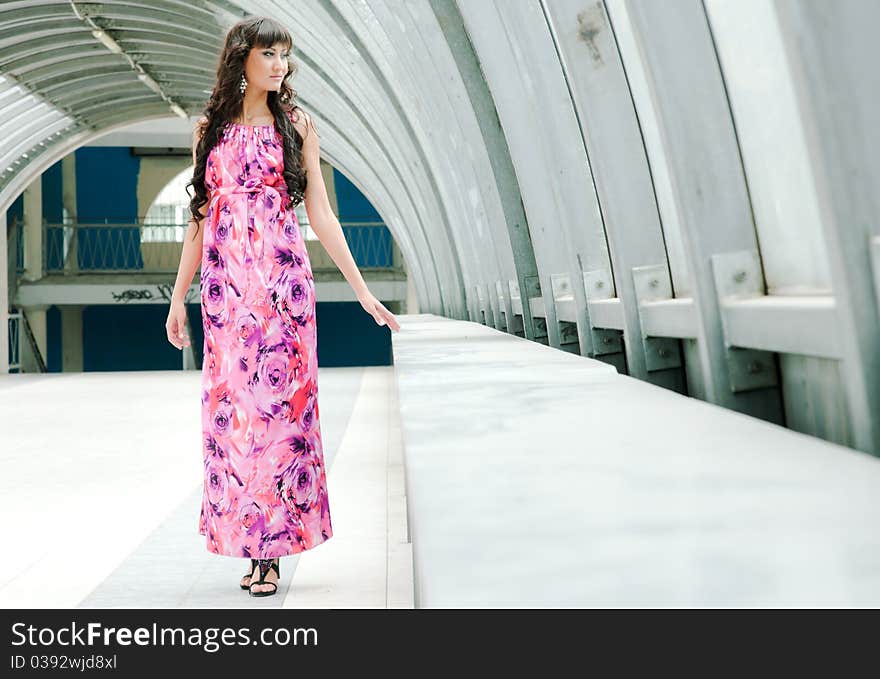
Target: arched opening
166 219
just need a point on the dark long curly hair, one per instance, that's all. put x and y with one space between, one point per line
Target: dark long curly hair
225 104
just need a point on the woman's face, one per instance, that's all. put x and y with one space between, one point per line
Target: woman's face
265 67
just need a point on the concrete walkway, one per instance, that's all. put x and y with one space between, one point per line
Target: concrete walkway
100 496
539 478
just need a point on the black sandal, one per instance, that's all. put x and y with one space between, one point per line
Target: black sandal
265 566
249 574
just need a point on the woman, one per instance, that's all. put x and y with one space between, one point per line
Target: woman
256 156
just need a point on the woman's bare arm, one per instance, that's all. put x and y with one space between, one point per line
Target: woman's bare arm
326 226
321 217
191 256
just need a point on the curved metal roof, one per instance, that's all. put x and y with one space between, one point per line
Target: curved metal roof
72 71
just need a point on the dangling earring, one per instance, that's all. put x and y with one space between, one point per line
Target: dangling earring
243 85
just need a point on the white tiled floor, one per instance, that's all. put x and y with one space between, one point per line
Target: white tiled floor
101 490
367 562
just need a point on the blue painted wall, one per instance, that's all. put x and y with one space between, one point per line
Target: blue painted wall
52 185
127 337
106 187
53 339
53 213
348 335
353 205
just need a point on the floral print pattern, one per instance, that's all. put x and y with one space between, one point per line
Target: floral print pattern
265 486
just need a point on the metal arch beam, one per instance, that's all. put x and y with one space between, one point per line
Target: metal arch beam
108 118
134 37
497 176
448 252
831 54
39 27
13 59
39 138
67 69
366 31
343 97
121 85
514 42
77 78
184 11
387 192
330 47
79 104
396 138
412 47
385 125
369 183
47 20
43 54
65 89
686 99
371 179
122 20
175 18
488 257
100 111
21 119
54 25
96 103
371 146
77 110
597 79
411 196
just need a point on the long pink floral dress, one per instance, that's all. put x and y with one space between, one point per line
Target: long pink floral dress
265 490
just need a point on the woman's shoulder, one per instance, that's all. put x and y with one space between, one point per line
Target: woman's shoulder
302 121
199 128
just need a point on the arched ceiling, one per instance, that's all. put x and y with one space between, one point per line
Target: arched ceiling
378 76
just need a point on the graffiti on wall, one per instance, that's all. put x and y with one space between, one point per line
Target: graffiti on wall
156 293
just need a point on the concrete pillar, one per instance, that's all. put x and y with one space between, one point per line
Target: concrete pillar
33 230
412 298
4 299
68 201
71 337
68 185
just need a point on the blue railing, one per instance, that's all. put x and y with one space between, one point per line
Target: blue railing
155 248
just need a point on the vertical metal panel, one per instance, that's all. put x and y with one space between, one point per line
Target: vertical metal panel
418 58
618 162
770 134
341 74
517 54
499 180
685 95
784 203
831 48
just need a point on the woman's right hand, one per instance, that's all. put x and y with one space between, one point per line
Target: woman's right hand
175 326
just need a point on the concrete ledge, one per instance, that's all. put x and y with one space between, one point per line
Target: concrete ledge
539 478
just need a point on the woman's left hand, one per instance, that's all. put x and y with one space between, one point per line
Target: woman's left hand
378 311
